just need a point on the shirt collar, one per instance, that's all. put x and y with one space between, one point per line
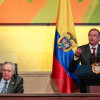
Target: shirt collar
2 80
93 46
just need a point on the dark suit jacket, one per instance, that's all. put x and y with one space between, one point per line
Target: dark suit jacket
85 56
85 60
15 85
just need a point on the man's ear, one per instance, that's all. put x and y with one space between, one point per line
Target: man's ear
13 72
99 40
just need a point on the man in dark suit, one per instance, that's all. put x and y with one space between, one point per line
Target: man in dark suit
83 54
9 82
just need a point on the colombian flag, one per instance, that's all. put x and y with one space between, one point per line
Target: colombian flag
65 43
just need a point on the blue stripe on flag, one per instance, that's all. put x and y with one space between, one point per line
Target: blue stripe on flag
64 58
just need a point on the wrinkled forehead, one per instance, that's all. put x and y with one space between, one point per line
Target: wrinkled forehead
7 66
94 32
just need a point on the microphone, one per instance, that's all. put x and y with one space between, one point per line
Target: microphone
92 59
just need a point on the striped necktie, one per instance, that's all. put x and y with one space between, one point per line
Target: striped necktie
4 90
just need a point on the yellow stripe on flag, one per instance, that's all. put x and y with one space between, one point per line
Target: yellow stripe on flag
65 19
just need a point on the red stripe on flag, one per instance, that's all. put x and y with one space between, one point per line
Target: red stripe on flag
61 79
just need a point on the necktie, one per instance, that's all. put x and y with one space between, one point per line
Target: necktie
4 90
94 51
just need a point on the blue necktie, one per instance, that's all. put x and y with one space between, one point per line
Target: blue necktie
4 90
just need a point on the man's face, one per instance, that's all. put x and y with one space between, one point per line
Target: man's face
7 71
93 37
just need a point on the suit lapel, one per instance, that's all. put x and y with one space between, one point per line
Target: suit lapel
88 52
98 50
11 85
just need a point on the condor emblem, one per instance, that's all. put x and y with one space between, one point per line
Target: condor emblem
67 42
96 68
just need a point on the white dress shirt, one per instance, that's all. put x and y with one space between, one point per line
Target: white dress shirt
93 47
2 83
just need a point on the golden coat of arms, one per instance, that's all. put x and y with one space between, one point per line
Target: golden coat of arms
96 68
67 41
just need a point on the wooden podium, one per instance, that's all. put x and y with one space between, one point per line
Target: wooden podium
91 79
93 89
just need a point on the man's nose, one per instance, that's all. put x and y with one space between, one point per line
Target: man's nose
6 72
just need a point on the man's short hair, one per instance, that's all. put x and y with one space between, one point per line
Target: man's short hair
95 30
13 65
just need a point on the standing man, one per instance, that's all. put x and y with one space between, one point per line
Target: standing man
83 54
9 82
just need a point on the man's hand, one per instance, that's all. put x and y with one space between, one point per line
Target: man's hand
78 52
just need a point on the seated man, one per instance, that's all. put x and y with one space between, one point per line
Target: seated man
9 82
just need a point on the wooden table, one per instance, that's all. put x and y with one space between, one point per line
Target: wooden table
72 96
